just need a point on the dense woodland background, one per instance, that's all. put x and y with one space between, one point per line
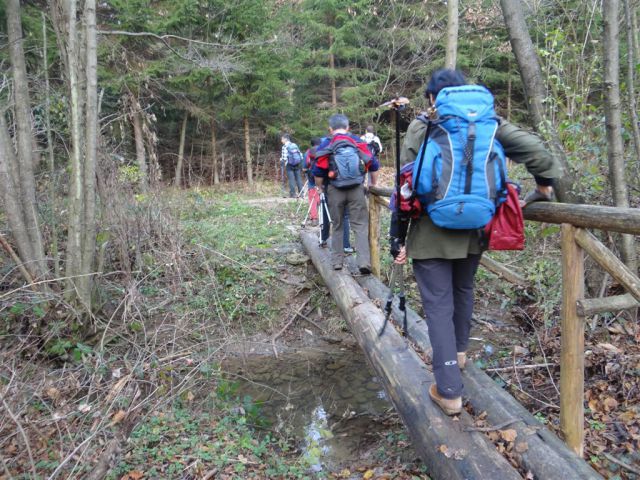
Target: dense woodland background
116 116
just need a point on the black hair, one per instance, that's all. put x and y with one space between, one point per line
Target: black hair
315 141
370 129
442 78
286 136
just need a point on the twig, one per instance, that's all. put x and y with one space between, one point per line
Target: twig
283 329
493 428
520 367
210 474
23 434
626 466
14 256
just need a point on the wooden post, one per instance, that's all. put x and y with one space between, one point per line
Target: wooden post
374 235
572 355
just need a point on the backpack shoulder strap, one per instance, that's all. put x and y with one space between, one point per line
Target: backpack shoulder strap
424 119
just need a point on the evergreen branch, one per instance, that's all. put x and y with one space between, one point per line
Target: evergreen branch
164 38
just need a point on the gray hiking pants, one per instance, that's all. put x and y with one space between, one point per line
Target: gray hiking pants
355 201
446 289
294 175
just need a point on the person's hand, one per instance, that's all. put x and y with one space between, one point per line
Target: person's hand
401 259
540 194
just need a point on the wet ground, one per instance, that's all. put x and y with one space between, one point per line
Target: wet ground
329 399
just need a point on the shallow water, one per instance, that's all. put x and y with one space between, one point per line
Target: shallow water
328 399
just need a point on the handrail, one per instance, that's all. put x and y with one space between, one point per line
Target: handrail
575 242
612 219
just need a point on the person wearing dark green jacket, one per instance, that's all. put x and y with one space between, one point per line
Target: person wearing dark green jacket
445 261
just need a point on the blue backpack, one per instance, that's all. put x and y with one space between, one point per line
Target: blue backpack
460 175
294 156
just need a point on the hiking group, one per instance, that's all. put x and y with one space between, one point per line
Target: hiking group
453 200
337 168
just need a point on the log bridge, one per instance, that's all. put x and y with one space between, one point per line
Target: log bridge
454 448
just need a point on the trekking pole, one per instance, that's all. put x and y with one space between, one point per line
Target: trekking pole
306 217
389 304
402 300
397 274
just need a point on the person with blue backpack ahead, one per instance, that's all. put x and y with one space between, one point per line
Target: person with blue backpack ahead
459 177
344 160
291 158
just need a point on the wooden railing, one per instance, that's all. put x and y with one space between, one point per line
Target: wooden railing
575 241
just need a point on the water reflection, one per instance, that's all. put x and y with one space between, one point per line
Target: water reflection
327 399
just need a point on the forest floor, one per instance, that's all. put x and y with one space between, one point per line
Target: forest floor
204 362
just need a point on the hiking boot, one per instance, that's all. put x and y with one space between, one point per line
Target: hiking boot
450 406
323 244
365 270
337 266
348 250
462 359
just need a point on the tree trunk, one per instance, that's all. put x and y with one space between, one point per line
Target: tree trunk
90 153
22 170
452 34
332 74
247 150
10 191
214 152
141 158
631 89
613 121
76 197
183 135
52 167
531 73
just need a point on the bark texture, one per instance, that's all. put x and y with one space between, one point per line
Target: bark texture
535 92
613 121
183 135
247 150
452 34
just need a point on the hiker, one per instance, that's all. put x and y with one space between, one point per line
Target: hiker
445 259
314 197
326 226
291 158
343 161
372 141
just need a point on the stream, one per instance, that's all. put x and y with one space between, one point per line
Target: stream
327 399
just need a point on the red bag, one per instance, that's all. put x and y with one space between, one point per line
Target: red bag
506 229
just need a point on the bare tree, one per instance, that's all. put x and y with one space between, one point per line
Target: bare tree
631 89
17 179
535 92
138 136
183 135
247 150
452 34
79 53
613 120
215 178
332 69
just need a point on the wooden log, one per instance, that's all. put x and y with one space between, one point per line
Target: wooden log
374 236
572 348
614 219
446 448
381 200
546 456
502 271
380 191
617 303
607 260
